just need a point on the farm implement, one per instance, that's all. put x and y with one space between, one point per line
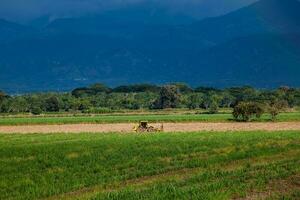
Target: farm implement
144 127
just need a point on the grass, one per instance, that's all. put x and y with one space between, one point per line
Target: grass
293 116
113 119
205 165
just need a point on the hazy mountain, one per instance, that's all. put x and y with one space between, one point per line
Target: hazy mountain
127 22
257 45
40 22
268 60
74 60
10 31
265 16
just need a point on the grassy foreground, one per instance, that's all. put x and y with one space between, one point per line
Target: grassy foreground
293 116
160 166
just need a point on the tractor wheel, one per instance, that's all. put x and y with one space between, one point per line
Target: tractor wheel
151 129
141 130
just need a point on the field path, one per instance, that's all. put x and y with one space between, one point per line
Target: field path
168 127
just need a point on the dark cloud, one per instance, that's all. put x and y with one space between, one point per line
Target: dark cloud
22 10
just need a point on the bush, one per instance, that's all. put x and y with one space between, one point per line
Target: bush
274 108
36 110
214 108
244 111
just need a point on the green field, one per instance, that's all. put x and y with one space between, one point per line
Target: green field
161 166
293 116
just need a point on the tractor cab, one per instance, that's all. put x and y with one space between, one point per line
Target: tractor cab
144 127
143 124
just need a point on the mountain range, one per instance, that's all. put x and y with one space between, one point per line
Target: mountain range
257 45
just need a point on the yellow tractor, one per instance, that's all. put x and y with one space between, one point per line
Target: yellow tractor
144 127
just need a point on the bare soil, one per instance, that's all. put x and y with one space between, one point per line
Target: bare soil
168 127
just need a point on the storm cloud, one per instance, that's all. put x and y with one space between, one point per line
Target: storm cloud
22 10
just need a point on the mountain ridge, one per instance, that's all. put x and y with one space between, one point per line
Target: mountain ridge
240 48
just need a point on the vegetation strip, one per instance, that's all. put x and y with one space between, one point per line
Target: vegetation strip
129 166
175 118
180 174
277 189
203 104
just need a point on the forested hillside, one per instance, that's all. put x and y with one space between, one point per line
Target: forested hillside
257 45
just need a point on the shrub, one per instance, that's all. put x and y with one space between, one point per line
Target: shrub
276 107
246 110
36 110
214 107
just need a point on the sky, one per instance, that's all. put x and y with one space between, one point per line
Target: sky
25 10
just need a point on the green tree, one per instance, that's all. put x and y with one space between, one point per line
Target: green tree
66 102
207 90
183 87
137 88
99 88
52 104
36 110
211 100
287 94
169 97
84 105
91 90
206 101
34 101
2 95
213 107
194 100
19 105
3 106
144 99
243 94
227 100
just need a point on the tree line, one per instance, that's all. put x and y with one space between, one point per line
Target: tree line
99 98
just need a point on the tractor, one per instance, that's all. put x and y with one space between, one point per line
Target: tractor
144 127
